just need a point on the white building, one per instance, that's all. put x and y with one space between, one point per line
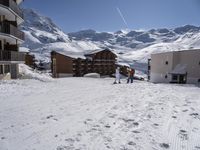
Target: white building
175 67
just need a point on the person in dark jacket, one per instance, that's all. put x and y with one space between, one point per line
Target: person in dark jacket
131 74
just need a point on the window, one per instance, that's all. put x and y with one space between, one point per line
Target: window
166 76
1 69
175 77
0 45
7 68
166 62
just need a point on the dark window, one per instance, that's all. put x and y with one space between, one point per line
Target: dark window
199 81
7 68
166 76
0 45
1 69
166 63
175 77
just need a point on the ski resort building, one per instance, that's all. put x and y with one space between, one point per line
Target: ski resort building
30 60
175 67
68 65
11 17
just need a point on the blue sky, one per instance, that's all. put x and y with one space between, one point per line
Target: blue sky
113 15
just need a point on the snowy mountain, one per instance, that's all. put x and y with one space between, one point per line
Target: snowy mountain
133 47
137 45
43 36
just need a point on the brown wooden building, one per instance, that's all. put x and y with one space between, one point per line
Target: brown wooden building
30 60
97 61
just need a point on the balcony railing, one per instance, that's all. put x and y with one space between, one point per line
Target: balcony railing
8 28
13 5
11 56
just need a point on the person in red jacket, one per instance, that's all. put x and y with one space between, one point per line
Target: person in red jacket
131 74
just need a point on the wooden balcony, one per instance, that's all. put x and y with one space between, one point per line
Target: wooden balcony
11 56
13 6
10 47
8 28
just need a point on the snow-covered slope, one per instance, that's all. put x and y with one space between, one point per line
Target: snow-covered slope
133 47
93 114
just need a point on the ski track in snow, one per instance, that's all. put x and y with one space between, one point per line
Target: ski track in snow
93 114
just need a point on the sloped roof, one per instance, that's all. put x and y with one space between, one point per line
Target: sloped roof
90 52
74 55
81 55
178 51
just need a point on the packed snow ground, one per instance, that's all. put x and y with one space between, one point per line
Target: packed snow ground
94 114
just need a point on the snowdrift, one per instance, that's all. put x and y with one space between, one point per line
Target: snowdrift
26 72
92 75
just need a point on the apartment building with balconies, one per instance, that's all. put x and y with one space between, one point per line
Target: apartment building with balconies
64 64
11 16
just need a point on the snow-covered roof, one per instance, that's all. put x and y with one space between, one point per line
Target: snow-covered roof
89 52
177 51
74 55
81 55
179 69
24 49
123 64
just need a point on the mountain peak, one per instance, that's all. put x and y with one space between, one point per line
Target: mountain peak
34 19
186 28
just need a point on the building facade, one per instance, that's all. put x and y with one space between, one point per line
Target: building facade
11 16
175 67
30 60
98 61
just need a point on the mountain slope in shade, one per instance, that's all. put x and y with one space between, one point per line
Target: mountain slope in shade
133 47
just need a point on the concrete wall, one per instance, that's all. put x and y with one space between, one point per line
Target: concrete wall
192 59
159 69
14 69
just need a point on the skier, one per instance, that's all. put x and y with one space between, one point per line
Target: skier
117 76
131 73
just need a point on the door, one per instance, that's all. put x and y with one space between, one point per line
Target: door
182 79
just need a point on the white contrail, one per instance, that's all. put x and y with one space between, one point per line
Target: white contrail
122 16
